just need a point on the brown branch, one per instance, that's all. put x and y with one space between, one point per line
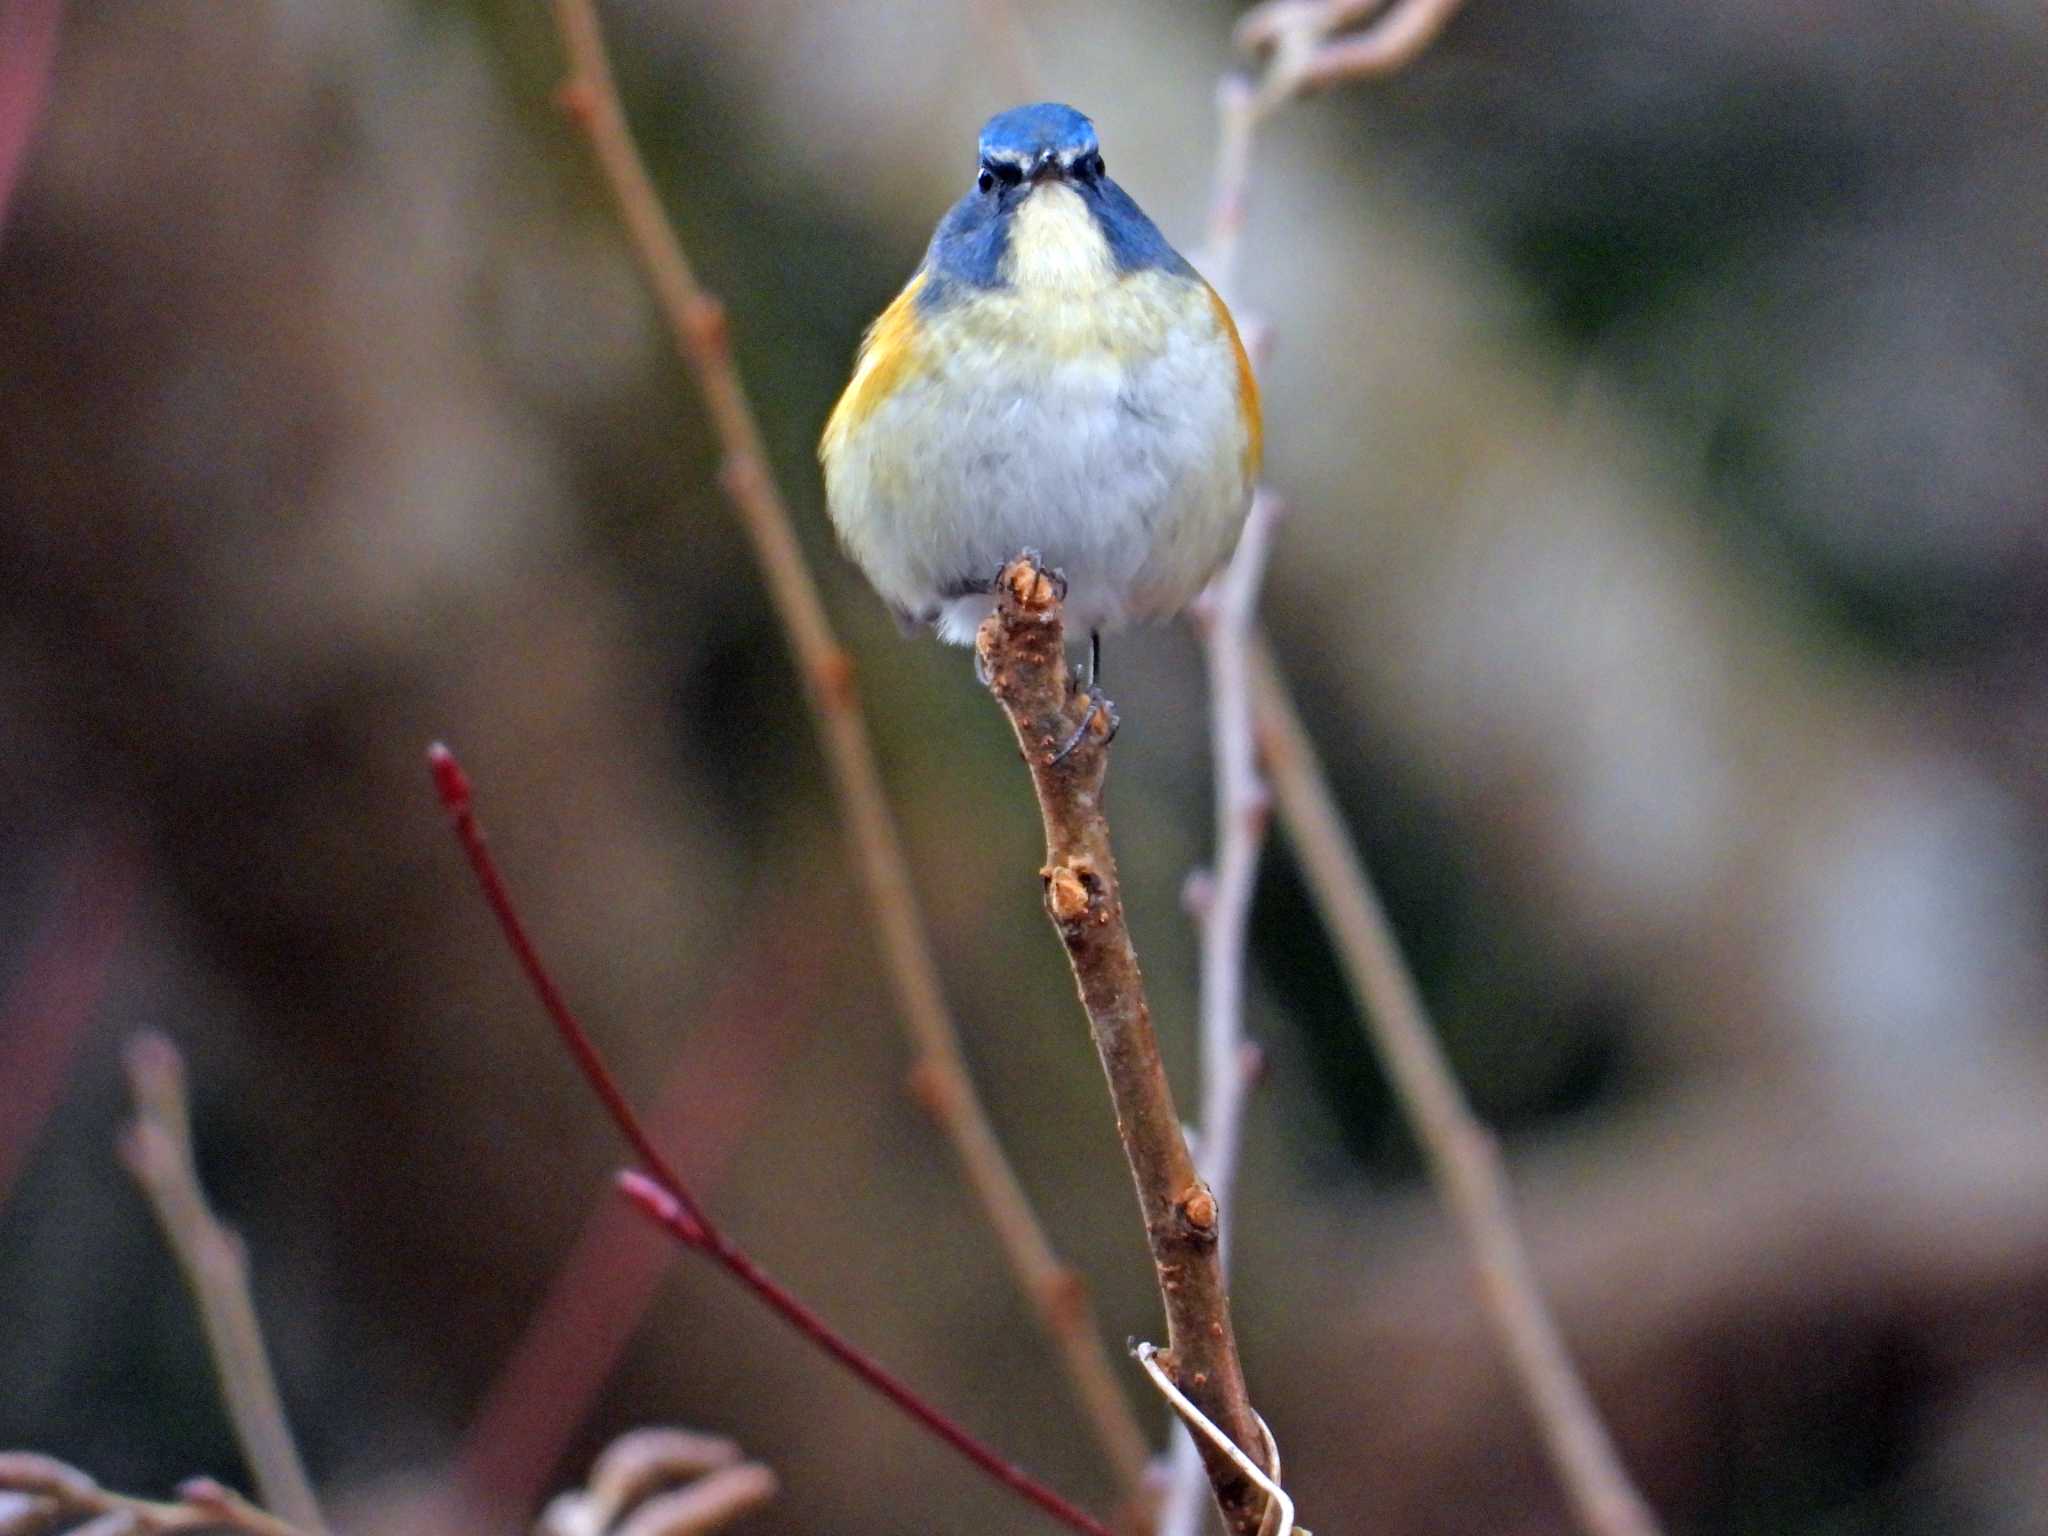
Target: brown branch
1023 653
48 1493
697 323
1463 1157
157 1147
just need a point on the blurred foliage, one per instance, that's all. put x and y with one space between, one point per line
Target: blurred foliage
1663 400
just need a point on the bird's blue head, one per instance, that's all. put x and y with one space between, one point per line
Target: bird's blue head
1032 143
1042 202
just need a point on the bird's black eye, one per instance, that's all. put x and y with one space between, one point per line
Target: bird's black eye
1091 165
985 181
998 170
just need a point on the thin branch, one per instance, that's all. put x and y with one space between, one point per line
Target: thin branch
50 1493
1022 650
1226 616
157 1147
715 1089
661 1193
697 323
1222 903
1463 1157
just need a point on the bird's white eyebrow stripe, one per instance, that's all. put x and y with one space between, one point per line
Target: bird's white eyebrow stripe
1025 162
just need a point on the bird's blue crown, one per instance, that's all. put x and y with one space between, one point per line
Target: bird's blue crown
1026 135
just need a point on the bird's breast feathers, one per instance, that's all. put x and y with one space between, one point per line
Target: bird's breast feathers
1106 416
1062 302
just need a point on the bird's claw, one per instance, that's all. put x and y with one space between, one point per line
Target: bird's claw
1036 561
1098 703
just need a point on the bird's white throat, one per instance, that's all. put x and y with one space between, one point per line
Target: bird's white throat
1055 243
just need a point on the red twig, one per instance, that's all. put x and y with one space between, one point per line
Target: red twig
47 1009
28 52
596 1299
662 1195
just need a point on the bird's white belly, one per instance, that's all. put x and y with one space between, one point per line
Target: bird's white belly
1115 448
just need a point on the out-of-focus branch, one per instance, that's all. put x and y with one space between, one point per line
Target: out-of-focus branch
697 322
1311 52
157 1147
28 50
49 1005
716 1089
662 1195
39 1494
1463 1158
1023 654
661 1482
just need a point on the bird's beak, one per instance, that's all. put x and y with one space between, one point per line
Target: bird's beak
1047 169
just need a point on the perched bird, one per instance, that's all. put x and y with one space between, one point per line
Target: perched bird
1054 377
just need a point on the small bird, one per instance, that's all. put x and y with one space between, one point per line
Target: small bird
1054 377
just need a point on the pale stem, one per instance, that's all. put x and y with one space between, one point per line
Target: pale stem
157 1147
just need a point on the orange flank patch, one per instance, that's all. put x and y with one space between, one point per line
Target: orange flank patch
1247 390
887 353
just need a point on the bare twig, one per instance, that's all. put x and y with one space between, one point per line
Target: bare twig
697 322
44 1493
1462 1155
1226 616
664 1197
1022 649
28 50
157 1147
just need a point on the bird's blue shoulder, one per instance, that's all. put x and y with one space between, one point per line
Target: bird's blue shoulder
1134 240
966 252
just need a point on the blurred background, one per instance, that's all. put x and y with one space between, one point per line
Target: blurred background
1661 396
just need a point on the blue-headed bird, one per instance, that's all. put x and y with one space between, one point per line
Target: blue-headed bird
1054 377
